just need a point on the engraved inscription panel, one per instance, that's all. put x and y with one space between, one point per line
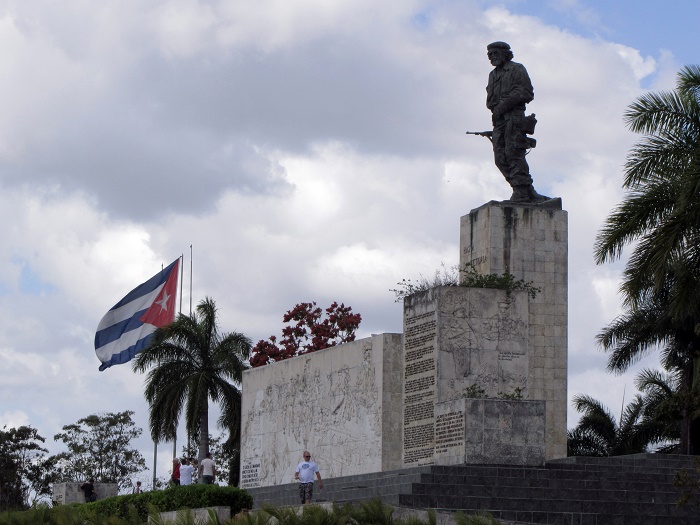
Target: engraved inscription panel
250 474
420 339
449 431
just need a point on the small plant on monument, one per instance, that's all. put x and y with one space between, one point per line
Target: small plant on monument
474 392
515 394
444 276
307 331
468 277
471 278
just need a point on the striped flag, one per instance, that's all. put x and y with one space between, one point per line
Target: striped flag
129 325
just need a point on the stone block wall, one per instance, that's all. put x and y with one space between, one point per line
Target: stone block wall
490 431
343 404
64 493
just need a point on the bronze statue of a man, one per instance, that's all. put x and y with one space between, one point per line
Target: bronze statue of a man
508 91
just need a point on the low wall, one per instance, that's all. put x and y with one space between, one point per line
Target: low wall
69 492
200 515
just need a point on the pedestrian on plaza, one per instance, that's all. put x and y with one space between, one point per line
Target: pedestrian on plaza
88 489
304 473
175 477
186 472
207 470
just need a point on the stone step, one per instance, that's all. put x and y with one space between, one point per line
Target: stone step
576 491
655 494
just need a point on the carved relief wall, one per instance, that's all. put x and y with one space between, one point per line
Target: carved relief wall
483 341
342 404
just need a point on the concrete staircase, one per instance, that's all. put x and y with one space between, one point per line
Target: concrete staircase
624 490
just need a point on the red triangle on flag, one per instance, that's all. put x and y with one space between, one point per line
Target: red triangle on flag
162 310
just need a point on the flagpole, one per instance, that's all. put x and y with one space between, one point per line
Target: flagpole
182 276
182 273
191 255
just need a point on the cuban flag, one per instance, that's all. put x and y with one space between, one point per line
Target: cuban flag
129 325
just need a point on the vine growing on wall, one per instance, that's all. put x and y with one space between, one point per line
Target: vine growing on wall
469 277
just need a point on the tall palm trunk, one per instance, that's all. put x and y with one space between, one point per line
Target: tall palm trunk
686 422
203 432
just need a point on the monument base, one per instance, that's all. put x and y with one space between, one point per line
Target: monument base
491 431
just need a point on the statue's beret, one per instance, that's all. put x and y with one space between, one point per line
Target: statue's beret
498 45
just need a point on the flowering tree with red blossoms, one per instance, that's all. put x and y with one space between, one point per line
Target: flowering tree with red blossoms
308 332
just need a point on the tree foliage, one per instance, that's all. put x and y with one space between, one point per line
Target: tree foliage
652 419
25 471
660 214
189 363
659 217
308 331
598 432
99 447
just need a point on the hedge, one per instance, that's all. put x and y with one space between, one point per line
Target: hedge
174 498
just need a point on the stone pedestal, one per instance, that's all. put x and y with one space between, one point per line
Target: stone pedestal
531 243
456 340
499 431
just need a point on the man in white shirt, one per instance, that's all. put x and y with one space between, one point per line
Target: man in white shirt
305 474
207 470
186 471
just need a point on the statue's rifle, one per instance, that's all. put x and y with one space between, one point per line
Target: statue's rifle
487 134
531 142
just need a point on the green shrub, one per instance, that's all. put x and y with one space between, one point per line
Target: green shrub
174 498
372 512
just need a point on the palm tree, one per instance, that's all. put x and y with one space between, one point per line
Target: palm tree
647 327
598 433
189 363
661 211
660 215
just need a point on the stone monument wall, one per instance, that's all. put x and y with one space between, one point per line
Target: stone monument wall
458 339
531 243
343 404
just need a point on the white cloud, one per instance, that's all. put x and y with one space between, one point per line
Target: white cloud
307 150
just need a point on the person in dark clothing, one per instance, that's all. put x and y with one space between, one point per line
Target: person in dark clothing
88 489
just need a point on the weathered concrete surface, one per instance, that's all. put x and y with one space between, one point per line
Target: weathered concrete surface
201 515
64 493
343 404
457 338
530 243
491 432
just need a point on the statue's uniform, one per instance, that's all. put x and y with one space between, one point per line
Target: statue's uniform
510 85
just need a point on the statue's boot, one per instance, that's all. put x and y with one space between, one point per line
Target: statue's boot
536 197
520 194
526 193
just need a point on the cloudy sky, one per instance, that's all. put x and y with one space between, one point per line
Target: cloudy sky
308 150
